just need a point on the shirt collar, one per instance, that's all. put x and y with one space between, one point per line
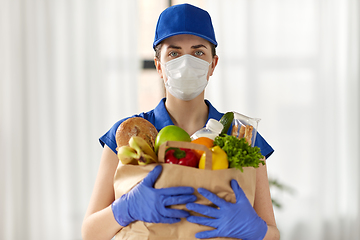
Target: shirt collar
163 118
213 113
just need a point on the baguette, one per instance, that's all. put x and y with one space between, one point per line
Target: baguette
245 132
248 133
241 132
234 131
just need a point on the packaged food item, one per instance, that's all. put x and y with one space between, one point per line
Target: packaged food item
212 129
245 127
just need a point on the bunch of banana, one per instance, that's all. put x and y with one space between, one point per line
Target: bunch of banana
137 152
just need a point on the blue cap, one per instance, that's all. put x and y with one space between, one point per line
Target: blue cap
184 19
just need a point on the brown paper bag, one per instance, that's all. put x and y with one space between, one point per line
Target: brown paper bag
217 181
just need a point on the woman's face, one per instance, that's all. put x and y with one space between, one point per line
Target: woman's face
179 45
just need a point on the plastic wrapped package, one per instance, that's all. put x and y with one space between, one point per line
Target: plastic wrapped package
244 126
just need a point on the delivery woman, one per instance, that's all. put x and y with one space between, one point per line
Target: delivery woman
185 58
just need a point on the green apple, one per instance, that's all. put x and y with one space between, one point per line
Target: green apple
171 133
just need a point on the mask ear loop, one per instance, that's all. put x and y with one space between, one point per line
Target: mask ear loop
162 68
163 76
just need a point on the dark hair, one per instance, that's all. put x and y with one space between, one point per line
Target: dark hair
158 50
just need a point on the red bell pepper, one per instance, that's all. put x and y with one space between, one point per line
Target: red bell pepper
181 156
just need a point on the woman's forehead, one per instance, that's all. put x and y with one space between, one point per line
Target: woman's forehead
185 40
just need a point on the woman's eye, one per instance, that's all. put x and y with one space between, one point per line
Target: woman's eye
173 54
199 53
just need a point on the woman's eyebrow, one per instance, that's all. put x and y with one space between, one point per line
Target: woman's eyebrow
174 46
198 46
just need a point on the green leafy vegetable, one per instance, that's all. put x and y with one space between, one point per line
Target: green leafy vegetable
240 153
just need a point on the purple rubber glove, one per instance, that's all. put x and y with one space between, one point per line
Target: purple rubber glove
234 220
148 204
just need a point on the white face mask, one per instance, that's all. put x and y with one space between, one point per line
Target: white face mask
186 76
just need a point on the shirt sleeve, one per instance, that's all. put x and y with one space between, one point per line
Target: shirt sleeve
109 137
265 149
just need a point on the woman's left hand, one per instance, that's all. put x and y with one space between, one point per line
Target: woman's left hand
235 220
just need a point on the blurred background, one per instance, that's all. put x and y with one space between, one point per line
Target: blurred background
69 69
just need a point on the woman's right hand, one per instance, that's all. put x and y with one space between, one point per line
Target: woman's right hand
148 204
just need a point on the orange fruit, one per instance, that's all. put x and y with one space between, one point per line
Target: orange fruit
208 142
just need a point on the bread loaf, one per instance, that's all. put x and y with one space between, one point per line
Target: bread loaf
135 126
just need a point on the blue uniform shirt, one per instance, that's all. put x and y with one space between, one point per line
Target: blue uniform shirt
160 118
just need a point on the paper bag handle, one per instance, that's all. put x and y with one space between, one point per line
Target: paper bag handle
189 145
